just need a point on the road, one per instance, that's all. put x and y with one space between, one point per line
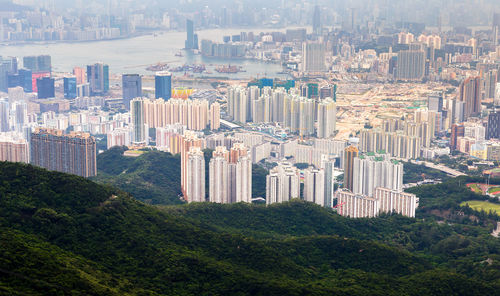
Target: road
440 167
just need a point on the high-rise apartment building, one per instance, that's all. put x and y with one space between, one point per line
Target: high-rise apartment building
394 201
314 186
356 206
327 112
73 153
163 85
238 104
189 140
470 94
195 175
194 114
410 65
219 176
214 116
13 148
282 184
131 88
376 170
350 153
119 137
98 78
313 57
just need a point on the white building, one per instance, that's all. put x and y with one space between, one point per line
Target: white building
356 205
282 184
376 170
327 111
392 201
314 186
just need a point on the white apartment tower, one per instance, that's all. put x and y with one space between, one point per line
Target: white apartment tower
314 186
195 183
282 184
327 112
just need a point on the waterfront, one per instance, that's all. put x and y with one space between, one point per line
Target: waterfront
133 55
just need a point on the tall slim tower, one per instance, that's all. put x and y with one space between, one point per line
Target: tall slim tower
327 111
140 132
350 153
314 186
317 20
470 94
190 139
131 88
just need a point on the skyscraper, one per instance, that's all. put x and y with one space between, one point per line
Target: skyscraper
493 131
163 85
317 20
74 153
140 132
4 115
45 87
195 176
98 77
410 65
350 153
470 94
4 73
313 57
131 88
327 111
490 83
69 87
191 37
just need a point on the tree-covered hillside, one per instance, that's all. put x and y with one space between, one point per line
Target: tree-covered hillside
64 235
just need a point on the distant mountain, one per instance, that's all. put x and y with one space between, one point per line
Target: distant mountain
65 235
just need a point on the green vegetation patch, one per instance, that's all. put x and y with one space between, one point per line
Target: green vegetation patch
481 205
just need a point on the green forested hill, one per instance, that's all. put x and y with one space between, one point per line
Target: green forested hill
64 235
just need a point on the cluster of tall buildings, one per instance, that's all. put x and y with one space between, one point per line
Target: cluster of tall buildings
287 108
73 153
230 172
194 114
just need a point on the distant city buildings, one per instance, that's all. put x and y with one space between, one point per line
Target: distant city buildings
131 88
73 153
282 184
98 79
163 85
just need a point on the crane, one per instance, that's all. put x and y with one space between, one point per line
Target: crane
339 207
